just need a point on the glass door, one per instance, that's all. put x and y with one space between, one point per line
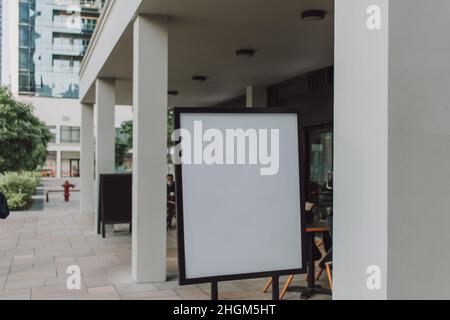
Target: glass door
319 164
75 168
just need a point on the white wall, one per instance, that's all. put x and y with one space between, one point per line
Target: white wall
361 114
392 150
56 111
419 150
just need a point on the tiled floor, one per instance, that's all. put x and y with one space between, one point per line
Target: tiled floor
37 246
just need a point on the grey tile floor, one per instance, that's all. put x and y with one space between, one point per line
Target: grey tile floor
38 245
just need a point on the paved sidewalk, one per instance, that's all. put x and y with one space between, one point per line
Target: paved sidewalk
37 246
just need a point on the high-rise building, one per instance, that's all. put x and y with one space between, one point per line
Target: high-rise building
46 43
53 36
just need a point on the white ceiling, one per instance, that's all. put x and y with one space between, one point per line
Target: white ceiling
204 35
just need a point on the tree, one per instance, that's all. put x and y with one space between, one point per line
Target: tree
124 142
23 137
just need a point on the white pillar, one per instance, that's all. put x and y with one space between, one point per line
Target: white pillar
392 149
150 78
105 131
58 165
87 159
256 96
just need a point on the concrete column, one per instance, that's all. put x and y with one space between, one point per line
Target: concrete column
58 165
256 96
105 131
392 150
87 159
150 78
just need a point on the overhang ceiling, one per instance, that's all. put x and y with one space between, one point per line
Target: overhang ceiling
204 35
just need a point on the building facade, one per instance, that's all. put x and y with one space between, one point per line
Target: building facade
47 42
1 40
390 121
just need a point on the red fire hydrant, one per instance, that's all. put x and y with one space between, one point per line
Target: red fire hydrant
67 187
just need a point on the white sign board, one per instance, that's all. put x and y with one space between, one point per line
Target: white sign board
241 219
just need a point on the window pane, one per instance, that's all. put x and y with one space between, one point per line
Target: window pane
75 135
53 133
65 134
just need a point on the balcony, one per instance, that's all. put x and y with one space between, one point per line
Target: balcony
73 26
84 5
71 49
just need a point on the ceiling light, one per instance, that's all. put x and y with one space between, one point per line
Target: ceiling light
313 15
245 53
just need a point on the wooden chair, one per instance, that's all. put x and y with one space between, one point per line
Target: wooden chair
329 274
289 280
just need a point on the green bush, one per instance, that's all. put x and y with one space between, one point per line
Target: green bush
19 188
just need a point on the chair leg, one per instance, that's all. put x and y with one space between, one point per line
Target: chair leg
329 275
267 285
286 287
103 231
319 275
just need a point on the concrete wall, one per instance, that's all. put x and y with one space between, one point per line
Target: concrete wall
57 112
392 150
118 15
313 98
315 104
419 150
361 149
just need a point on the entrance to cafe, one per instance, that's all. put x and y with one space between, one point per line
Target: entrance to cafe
319 166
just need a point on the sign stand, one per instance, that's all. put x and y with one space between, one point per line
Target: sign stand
275 288
214 291
203 255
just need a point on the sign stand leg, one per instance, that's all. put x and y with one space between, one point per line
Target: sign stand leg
214 291
276 288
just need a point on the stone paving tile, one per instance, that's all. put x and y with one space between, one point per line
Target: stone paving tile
20 294
36 248
192 294
43 293
125 288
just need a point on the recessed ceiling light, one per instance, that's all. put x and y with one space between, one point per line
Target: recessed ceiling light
199 78
172 93
245 53
313 15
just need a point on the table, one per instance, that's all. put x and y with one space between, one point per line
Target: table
312 288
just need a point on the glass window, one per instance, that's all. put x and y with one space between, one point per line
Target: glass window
24 62
70 134
321 156
52 130
24 12
24 36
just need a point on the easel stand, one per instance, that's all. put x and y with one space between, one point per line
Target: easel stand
275 289
214 291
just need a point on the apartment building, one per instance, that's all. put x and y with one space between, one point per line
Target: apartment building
47 42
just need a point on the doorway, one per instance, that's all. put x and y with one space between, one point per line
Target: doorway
319 161
74 168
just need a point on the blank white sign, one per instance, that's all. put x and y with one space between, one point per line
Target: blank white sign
237 221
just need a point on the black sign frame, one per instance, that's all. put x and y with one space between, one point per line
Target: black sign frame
183 280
